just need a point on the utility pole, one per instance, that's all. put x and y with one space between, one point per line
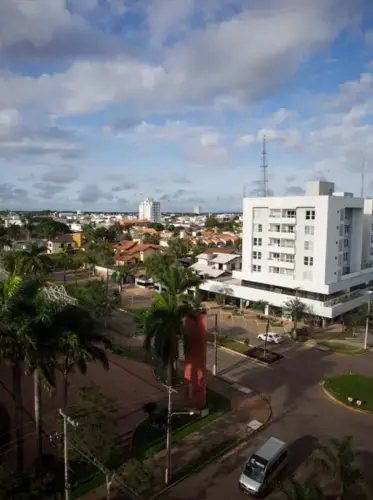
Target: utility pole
167 476
88 455
215 365
367 327
66 419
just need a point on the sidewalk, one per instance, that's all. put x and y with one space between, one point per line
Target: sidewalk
246 409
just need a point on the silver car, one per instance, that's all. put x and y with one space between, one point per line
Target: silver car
263 466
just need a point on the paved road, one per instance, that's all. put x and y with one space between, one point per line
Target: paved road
302 415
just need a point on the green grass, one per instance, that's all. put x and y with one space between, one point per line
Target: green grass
358 387
342 348
228 342
236 346
205 456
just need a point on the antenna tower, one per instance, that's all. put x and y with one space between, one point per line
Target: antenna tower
263 168
362 180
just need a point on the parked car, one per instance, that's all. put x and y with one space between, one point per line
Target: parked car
271 337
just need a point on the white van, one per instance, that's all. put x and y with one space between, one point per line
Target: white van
264 466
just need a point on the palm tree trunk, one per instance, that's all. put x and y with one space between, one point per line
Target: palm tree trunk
295 327
17 389
37 409
65 389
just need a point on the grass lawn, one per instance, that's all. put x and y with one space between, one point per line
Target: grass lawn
357 387
342 348
228 342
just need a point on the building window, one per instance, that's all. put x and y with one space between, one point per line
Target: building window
345 256
310 214
346 244
288 243
275 270
274 242
341 230
285 257
258 242
275 212
275 228
309 230
342 214
290 214
307 275
308 261
256 268
340 245
308 245
274 256
258 212
258 228
339 260
347 229
257 255
288 229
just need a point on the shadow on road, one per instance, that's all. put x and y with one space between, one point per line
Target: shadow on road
299 451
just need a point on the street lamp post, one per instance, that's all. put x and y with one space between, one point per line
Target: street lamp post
170 414
367 322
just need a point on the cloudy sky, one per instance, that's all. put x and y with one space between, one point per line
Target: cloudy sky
105 102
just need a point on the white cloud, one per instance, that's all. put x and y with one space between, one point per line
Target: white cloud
290 138
282 115
210 139
215 156
245 141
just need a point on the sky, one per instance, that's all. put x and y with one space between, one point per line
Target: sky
106 102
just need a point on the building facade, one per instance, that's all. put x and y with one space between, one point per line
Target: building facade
318 247
150 210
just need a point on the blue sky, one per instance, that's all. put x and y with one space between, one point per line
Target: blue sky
105 102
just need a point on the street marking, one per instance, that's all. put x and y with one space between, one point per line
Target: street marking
255 425
241 388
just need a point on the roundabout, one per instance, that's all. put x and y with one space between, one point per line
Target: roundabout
352 391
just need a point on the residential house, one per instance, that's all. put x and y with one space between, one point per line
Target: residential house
214 265
63 242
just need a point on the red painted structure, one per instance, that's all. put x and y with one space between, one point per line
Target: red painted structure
195 360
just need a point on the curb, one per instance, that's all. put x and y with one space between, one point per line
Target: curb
226 349
336 401
223 454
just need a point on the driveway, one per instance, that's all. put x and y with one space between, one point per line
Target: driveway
302 416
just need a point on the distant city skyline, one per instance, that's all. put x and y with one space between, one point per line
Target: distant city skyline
104 103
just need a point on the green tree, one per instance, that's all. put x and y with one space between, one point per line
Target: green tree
25 340
14 232
28 224
32 260
123 272
66 261
211 222
338 462
294 490
95 296
237 245
156 225
97 429
156 265
78 343
180 247
5 240
153 239
48 228
295 308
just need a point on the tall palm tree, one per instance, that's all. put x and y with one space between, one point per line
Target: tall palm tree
32 260
296 309
22 343
27 224
338 461
66 261
78 343
164 325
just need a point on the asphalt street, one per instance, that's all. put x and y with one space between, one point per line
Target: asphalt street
302 416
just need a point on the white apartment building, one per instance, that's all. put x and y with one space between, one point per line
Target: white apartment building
196 210
318 247
150 209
